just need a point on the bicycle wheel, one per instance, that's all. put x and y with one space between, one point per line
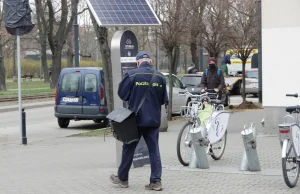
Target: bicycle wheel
184 144
289 164
218 149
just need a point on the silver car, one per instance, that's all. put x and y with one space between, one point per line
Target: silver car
179 99
251 86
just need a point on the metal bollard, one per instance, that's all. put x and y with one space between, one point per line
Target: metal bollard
199 157
250 159
24 138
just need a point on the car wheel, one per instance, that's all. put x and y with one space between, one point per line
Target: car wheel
63 123
227 100
237 88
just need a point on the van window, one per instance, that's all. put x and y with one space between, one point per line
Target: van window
71 82
90 82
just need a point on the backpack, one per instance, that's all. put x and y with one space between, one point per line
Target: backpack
219 73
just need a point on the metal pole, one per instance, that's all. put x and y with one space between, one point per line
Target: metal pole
76 39
259 53
201 55
157 53
19 82
24 138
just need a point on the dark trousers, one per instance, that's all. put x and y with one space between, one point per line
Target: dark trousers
151 138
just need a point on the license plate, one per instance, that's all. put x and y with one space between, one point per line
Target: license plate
67 99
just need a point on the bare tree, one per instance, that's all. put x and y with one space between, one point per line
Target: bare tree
196 27
103 41
42 23
57 38
216 28
244 32
173 15
3 40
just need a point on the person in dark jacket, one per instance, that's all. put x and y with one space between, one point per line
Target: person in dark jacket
132 89
226 60
212 81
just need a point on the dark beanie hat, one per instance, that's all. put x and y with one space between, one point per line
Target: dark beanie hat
212 59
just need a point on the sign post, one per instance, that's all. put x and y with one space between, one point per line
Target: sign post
17 17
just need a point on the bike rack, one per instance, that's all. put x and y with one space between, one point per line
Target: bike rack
199 157
250 161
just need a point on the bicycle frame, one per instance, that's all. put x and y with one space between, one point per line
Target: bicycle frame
192 111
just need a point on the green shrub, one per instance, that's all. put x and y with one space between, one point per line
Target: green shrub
32 67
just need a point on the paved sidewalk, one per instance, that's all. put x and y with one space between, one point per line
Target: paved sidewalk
83 165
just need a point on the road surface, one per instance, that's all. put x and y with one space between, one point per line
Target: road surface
40 125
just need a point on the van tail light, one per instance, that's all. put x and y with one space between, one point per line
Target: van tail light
102 110
284 131
102 94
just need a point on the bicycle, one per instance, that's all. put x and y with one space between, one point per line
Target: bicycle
289 136
212 130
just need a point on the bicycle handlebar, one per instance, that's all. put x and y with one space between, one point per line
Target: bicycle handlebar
201 96
292 95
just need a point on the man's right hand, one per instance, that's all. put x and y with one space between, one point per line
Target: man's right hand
202 91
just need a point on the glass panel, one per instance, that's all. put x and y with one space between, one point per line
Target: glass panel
90 82
71 82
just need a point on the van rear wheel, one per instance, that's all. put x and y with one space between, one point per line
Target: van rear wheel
63 123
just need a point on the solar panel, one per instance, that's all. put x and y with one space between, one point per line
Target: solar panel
123 12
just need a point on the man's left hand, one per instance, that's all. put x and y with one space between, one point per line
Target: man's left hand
216 90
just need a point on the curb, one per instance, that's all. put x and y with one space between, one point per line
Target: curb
26 107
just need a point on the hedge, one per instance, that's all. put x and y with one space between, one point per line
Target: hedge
32 67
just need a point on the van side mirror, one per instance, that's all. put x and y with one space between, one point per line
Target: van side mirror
183 86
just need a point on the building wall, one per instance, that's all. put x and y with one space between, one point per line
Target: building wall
280 58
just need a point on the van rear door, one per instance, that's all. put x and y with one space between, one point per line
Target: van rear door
70 93
91 92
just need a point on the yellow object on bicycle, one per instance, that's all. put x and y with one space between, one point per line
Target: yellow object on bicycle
205 114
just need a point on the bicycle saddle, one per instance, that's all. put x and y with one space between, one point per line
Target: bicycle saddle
293 109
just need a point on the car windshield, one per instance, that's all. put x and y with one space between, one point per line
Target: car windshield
191 81
252 74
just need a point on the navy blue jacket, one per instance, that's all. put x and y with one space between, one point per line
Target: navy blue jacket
132 89
226 59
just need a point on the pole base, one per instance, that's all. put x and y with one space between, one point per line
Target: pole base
24 140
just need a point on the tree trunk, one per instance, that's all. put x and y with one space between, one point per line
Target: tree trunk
70 54
2 72
193 48
175 60
56 66
244 80
70 58
170 52
185 62
43 40
42 26
102 37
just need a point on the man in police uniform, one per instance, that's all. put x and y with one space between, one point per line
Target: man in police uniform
132 89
